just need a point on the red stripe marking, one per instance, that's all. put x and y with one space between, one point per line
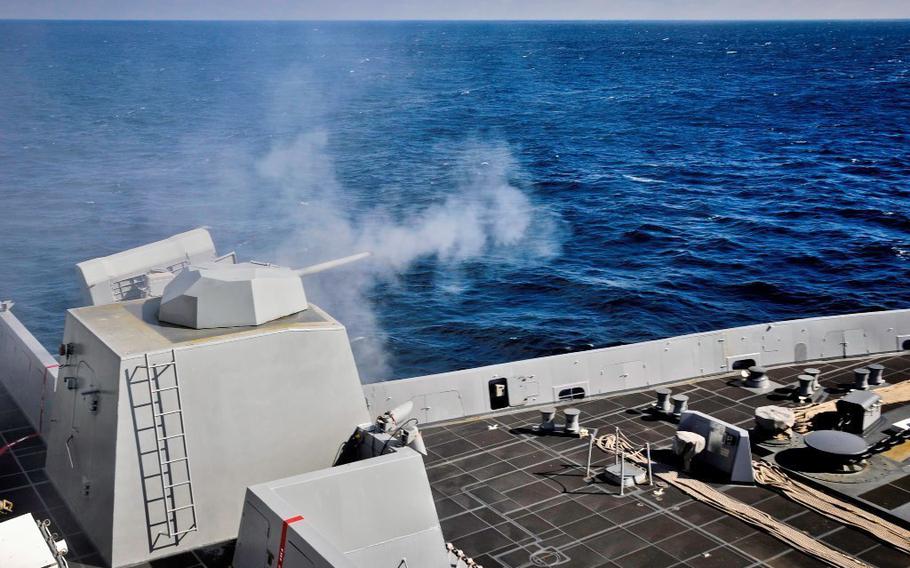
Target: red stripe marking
10 446
52 366
284 539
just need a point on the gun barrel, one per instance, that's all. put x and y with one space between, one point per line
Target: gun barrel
323 266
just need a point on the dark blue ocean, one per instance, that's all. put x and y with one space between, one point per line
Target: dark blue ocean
526 188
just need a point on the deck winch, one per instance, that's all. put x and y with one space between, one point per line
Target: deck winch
859 411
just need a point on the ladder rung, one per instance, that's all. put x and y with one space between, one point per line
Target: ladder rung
171 436
160 365
157 414
172 485
175 460
174 510
184 531
165 389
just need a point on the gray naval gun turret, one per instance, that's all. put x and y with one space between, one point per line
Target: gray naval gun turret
169 406
205 297
228 295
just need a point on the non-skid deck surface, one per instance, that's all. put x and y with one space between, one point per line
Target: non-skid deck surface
517 500
514 499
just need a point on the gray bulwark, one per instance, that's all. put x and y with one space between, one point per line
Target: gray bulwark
251 405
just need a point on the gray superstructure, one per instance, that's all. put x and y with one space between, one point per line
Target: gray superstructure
199 399
135 393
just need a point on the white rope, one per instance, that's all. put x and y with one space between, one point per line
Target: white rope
772 476
759 519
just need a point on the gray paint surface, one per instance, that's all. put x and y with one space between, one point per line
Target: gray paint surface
537 381
114 278
27 370
230 295
726 445
246 402
372 513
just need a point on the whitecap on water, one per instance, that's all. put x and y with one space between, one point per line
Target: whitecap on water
452 289
642 179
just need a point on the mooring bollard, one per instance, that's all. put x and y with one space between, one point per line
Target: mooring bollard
547 414
814 373
806 386
861 378
680 404
663 401
875 374
757 378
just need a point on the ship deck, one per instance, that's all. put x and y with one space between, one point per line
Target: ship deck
511 498
504 494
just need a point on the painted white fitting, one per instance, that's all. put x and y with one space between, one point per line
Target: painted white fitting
814 373
875 374
806 385
757 378
547 414
680 404
572 420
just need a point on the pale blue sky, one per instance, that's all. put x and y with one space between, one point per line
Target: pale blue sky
453 9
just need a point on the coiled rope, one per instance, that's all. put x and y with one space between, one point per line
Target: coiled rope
759 519
772 476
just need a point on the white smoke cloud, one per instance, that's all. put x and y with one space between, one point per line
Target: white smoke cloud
483 214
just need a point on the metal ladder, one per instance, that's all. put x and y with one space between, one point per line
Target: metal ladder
170 440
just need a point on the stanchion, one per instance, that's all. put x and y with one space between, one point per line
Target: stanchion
648 457
622 473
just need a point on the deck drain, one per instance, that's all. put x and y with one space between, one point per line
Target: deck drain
548 557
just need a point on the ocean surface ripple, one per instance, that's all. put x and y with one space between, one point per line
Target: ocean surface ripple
572 185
